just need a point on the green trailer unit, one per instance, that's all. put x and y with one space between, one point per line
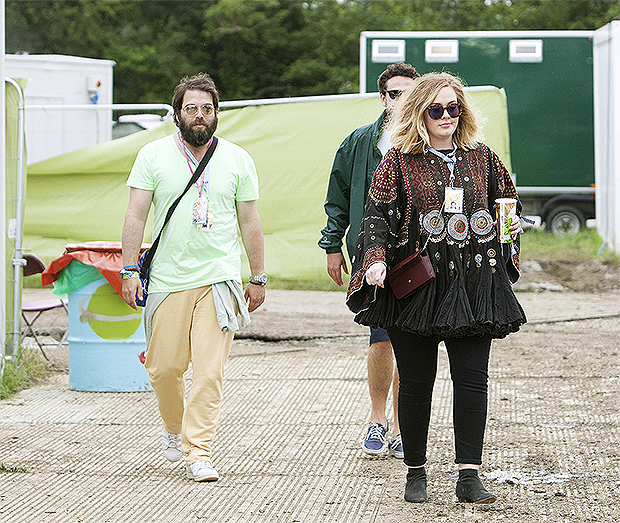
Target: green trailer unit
548 80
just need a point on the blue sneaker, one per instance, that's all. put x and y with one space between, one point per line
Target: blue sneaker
395 447
376 440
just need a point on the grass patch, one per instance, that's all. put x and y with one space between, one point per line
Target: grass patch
7 468
306 285
26 370
539 244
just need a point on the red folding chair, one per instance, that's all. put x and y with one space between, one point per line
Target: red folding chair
34 265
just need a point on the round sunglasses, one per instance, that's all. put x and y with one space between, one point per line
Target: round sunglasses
436 111
205 109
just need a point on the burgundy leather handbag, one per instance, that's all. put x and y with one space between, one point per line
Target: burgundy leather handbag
411 274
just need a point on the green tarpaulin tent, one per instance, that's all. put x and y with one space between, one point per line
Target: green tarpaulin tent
81 196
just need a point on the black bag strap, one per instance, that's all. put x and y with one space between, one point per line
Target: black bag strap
201 167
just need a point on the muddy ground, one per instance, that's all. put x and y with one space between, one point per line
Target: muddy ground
296 406
566 275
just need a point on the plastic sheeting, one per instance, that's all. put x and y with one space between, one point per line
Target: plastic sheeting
95 259
75 276
81 196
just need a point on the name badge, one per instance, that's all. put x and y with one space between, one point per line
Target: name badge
208 225
454 199
199 211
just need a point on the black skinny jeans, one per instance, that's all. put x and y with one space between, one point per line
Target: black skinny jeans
416 358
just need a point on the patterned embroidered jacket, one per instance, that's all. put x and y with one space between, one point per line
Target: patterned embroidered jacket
471 294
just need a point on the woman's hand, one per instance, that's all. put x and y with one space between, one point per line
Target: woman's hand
375 275
515 228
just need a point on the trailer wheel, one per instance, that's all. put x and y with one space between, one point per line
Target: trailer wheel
565 220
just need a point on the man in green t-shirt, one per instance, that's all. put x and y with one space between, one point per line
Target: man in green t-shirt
195 300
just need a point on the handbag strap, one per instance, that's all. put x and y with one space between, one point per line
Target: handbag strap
201 167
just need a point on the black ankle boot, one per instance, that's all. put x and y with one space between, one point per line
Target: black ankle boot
469 488
415 489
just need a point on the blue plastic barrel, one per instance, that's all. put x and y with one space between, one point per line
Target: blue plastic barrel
106 340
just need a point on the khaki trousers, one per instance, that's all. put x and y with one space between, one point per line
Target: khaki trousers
184 329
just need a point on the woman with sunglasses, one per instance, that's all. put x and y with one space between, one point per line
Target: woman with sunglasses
436 189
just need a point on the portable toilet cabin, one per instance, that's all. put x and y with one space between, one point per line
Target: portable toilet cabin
548 80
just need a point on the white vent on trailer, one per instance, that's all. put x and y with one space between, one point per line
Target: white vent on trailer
442 51
526 51
388 51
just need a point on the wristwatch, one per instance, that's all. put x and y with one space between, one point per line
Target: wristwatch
261 279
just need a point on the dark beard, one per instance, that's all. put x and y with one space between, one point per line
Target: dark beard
197 138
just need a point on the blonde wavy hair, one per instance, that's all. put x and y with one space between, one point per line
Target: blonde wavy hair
407 127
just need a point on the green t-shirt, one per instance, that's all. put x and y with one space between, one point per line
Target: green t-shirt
187 258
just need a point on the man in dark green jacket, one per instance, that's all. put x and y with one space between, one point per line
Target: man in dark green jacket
354 165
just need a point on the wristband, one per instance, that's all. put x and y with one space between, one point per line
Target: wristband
130 267
126 274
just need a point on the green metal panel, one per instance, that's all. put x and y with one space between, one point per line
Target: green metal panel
550 103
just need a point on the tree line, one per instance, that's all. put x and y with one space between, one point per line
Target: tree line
260 48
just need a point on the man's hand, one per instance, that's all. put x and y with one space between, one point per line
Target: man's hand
252 236
133 231
375 275
255 296
131 286
336 262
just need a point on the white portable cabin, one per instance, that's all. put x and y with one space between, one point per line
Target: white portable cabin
607 132
55 82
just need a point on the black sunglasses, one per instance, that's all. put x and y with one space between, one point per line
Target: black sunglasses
435 111
394 93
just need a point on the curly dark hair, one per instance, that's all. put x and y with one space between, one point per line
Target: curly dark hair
398 69
199 82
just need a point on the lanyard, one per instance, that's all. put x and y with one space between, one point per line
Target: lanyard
449 159
191 160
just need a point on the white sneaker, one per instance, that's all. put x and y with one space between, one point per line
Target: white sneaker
171 445
202 471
